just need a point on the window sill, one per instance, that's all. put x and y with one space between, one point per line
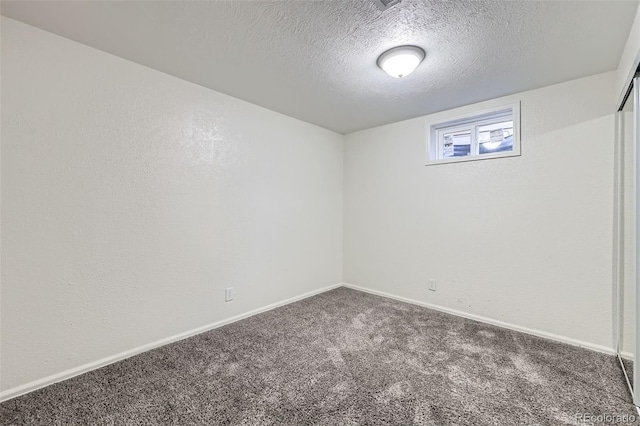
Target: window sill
472 158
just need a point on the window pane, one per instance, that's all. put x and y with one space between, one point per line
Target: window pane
496 137
456 144
488 134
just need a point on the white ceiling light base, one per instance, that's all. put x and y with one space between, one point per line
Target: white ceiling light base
401 61
385 4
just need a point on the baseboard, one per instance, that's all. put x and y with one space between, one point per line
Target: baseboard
59 377
486 320
627 355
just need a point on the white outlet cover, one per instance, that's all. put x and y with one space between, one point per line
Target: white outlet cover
229 294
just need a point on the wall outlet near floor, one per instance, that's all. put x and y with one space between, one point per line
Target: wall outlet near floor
229 294
432 284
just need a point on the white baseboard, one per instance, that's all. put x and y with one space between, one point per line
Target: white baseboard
59 377
626 355
539 333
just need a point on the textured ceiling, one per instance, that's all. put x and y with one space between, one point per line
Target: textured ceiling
316 60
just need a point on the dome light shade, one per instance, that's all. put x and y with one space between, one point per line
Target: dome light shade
401 61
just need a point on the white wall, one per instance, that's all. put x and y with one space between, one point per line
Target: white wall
629 59
524 240
131 199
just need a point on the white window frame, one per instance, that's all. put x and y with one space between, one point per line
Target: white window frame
471 122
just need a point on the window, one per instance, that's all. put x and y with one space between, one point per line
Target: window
487 134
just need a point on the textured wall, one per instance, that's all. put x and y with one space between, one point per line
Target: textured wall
130 199
525 240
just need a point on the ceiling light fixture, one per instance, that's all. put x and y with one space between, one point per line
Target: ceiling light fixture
401 61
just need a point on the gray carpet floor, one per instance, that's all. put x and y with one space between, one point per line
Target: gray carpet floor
340 358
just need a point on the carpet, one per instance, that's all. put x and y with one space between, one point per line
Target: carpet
628 366
343 357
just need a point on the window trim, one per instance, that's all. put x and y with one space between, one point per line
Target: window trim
471 120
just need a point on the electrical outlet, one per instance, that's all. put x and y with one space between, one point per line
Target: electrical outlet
432 284
229 294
